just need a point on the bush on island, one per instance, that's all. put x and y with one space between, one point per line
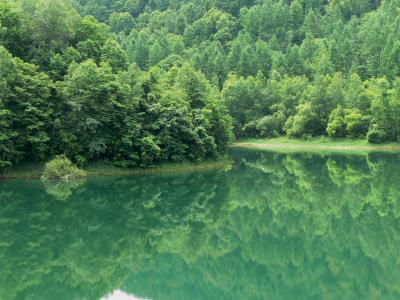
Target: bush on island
62 168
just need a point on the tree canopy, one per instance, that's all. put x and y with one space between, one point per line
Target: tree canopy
139 82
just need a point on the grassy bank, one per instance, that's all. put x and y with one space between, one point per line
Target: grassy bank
285 144
34 171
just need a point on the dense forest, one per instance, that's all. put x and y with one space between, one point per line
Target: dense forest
138 82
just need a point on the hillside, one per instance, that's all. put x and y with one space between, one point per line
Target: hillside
142 82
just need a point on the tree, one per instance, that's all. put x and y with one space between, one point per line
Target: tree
48 21
246 66
304 122
272 125
95 104
193 85
246 100
356 123
336 124
112 53
10 28
294 62
26 109
156 53
121 22
141 51
262 58
60 62
8 153
296 14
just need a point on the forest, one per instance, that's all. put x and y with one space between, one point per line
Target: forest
138 82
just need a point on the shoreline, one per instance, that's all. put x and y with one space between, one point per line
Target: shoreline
99 169
279 144
285 144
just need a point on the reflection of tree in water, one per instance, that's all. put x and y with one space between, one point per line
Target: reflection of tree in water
314 235
88 245
279 226
62 189
293 232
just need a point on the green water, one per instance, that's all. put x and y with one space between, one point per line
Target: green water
273 226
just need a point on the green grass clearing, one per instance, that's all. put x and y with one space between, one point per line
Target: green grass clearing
285 144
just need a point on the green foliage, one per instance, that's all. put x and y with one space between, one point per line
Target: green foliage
47 21
356 123
347 122
112 53
376 135
93 110
336 124
244 97
10 28
140 82
26 110
121 22
304 122
61 168
272 125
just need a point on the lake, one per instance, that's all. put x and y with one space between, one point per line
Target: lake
269 226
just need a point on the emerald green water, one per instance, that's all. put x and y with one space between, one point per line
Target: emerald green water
272 226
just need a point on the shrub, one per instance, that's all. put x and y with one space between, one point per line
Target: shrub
250 129
267 126
150 150
304 122
272 125
375 135
356 123
347 122
61 167
336 125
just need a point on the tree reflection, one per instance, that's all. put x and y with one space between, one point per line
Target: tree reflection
62 189
275 226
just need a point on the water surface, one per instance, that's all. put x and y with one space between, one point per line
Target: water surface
272 226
